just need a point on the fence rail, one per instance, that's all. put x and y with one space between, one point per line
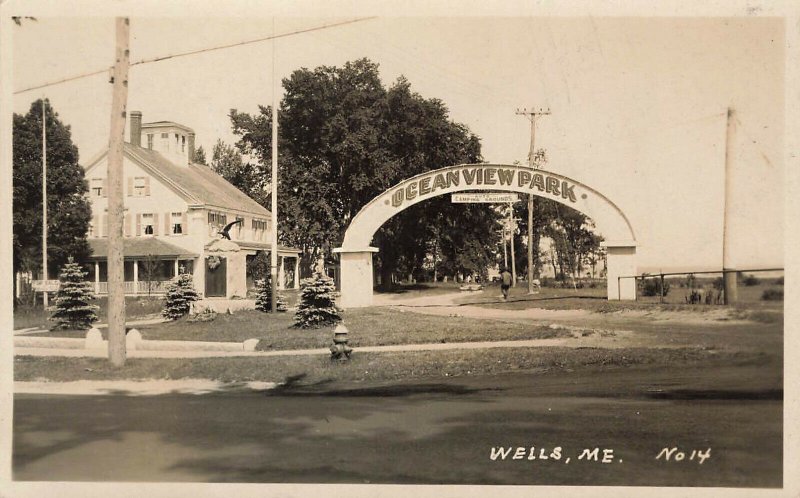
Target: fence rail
661 275
139 288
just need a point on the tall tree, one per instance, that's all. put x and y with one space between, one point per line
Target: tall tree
573 238
68 208
228 162
344 139
200 156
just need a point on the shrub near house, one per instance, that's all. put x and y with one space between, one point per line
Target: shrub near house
73 310
180 295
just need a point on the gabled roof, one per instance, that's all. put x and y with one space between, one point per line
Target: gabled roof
196 183
139 247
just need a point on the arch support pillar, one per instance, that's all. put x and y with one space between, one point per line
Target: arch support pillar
621 262
356 276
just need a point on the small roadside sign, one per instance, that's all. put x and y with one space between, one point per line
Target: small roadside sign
45 285
484 197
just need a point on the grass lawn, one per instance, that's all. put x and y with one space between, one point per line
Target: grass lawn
367 327
135 308
595 299
307 370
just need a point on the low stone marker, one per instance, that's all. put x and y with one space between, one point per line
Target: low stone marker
132 339
94 340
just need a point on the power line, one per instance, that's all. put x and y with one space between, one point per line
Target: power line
198 51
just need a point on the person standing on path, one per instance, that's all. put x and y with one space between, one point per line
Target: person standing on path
505 282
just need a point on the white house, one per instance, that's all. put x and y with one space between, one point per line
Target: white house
174 209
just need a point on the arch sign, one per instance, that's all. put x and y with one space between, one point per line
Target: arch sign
356 253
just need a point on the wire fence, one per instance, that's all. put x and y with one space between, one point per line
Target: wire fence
706 287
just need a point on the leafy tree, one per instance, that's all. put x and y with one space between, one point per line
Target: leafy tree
227 161
73 310
200 156
264 297
317 306
259 266
68 209
345 139
149 271
180 295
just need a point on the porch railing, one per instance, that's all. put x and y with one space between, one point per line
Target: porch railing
156 287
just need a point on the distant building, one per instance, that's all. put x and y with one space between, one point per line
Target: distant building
174 209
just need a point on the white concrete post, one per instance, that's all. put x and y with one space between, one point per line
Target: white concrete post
356 277
199 275
135 277
621 262
97 277
297 272
282 274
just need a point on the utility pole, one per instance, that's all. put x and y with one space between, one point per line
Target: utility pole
44 205
531 115
116 275
512 228
505 251
273 264
729 275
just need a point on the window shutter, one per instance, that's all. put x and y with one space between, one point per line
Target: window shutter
127 224
146 185
105 187
184 223
105 225
130 187
167 225
155 223
138 224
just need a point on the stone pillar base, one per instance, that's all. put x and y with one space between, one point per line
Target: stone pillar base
356 276
621 262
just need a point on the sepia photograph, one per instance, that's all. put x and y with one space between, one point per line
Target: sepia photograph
369 247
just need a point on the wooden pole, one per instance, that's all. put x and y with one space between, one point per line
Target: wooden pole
44 205
116 271
729 274
531 155
274 242
512 228
531 115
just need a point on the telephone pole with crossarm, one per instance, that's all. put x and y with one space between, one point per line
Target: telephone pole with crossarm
531 115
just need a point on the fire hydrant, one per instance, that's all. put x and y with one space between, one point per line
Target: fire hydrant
340 350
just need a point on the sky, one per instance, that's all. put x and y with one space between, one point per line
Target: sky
638 105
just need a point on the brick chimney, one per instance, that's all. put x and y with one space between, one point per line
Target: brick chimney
191 147
136 128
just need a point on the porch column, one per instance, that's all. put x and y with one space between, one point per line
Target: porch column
356 276
281 274
177 267
621 262
297 272
97 277
135 277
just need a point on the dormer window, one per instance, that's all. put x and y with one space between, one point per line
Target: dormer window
183 143
150 141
